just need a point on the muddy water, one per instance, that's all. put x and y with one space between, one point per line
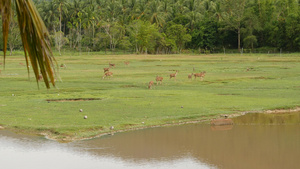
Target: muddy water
254 141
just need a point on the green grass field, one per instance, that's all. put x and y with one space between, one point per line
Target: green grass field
125 102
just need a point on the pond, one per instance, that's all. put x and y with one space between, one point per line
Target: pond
254 141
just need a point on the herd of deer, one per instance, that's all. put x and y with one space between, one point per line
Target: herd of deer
173 75
107 73
158 79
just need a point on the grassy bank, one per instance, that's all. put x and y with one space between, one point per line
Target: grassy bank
233 83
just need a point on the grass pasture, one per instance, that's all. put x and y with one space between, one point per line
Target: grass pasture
125 102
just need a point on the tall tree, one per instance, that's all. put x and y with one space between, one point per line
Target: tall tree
233 15
179 34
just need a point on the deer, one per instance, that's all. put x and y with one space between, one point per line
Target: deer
150 85
190 76
40 78
112 65
201 75
106 69
126 63
63 65
174 75
159 79
107 74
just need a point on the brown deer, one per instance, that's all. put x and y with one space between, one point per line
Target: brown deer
174 75
159 79
112 65
201 75
190 76
150 85
63 65
106 69
40 78
126 63
107 74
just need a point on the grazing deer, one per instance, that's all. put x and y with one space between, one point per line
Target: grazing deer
40 78
21 64
106 69
174 75
126 63
107 74
112 65
159 79
150 85
190 76
63 65
201 75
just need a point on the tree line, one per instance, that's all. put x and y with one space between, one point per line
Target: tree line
168 26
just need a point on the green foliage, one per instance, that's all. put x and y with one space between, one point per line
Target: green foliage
204 35
179 34
250 41
211 24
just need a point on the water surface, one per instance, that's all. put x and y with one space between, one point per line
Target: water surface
254 141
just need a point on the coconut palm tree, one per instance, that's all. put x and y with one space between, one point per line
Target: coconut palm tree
35 38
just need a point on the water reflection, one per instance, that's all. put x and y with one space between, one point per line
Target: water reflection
194 146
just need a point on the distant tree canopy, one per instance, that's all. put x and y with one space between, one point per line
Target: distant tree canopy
169 26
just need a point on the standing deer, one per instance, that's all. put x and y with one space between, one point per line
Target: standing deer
159 79
201 75
107 74
150 85
190 76
126 63
112 65
174 75
106 69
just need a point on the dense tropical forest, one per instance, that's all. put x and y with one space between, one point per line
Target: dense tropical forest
168 26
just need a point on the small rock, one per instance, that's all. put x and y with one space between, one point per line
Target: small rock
80 110
85 117
111 127
13 95
181 106
143 122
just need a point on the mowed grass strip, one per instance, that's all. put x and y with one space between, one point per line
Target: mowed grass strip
232 84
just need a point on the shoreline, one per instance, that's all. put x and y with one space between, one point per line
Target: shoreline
48 135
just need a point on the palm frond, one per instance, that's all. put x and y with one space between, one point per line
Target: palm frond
35 38
5 8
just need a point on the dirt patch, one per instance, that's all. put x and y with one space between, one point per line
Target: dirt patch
129 86
228 94
73 99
